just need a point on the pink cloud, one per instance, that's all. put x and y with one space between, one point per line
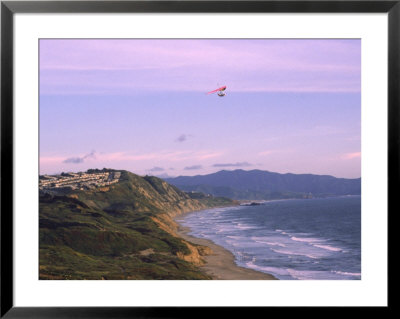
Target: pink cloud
275 151
264 153
125 156
51 159
349 156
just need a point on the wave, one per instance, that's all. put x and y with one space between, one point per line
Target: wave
269 270
289 273
271 243
316 242
236 237
356 274
225 229
328 247
302 274
264 240
288 252
245 227
306 240
311 274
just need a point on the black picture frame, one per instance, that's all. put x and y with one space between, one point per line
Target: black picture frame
9 8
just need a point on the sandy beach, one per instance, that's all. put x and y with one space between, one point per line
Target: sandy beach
221 263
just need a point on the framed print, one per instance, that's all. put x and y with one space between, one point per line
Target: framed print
164 155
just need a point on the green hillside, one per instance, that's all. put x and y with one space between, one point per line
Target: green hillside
123 231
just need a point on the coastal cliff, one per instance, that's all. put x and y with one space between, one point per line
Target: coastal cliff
120 231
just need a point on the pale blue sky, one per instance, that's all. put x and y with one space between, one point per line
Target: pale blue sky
291 106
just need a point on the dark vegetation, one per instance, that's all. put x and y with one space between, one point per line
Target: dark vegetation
111 233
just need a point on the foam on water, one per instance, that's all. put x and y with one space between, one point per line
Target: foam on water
296 253
264 240
236 237
347 273
269 270
311 274
306 240
289 273
226 229
244 227
316 242
328 247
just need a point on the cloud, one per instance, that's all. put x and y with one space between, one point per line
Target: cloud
78 160
207 155
156 169
239 164
74 160
194 167
182 138
51 159
349 156
266 153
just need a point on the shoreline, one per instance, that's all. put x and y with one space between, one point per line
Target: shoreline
220 264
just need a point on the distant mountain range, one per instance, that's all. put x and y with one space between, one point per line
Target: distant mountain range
258 184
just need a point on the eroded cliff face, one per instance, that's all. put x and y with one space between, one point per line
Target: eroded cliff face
166 223
175 203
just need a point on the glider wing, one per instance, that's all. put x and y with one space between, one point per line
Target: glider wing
222 88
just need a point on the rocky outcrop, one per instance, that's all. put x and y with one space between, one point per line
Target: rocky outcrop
166 223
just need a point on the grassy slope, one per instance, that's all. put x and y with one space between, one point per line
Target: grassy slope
124 231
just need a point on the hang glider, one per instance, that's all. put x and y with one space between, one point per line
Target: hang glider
219 90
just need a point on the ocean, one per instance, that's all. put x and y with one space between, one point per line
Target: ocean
305 239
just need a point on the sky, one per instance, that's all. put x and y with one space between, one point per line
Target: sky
292 106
